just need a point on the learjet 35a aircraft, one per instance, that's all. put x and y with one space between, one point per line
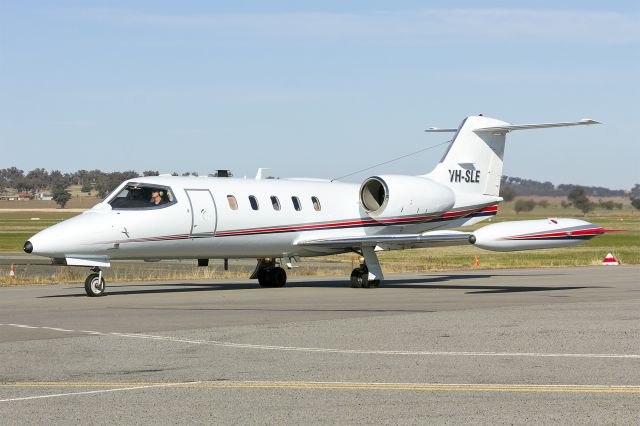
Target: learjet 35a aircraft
280 220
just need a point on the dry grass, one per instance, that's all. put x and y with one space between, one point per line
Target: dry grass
65 275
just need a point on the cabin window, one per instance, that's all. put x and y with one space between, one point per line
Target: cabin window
316 203
142 196
275 202
296 203
233 203
254 202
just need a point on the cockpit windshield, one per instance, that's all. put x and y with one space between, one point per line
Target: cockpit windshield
142 196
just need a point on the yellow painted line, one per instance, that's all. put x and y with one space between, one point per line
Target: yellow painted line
415 387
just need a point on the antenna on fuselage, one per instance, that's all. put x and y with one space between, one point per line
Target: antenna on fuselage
393 159
222 173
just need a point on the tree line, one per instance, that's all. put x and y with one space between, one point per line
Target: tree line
40 180
57 182
577 197
534 187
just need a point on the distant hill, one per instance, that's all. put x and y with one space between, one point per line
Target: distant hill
533 187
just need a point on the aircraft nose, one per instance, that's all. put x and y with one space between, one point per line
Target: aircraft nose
28 247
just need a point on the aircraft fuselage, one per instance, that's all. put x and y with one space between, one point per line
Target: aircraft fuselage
201 221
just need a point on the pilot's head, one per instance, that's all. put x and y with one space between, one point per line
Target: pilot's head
156 195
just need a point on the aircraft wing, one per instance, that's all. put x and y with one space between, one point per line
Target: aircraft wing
425 240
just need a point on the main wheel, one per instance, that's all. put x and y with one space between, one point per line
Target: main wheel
274 277
358 278
94 285
365 279
278 277
264 278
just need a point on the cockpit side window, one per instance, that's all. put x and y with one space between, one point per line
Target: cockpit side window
142 196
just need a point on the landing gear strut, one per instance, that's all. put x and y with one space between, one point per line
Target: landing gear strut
269 274
94 285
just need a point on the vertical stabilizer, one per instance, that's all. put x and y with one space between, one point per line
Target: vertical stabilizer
473 161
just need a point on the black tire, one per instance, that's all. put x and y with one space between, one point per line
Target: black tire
356 278
365 279
264 278
274 277
278 277
93 287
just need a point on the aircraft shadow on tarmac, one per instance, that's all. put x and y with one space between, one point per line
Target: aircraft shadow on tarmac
411 283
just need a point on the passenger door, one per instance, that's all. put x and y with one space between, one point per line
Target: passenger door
203 211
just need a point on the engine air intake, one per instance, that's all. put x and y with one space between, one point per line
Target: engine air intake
401 195
374 194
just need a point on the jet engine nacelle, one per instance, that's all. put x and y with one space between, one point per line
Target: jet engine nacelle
534 234
399 195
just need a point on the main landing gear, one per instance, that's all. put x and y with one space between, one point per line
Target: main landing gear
369 274
94 285
360 278
269 274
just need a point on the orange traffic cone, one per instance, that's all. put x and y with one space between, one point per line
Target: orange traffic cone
12 271
476 263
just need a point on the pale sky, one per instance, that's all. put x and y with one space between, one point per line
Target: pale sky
317 88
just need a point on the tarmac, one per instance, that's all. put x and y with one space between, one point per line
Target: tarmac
516 346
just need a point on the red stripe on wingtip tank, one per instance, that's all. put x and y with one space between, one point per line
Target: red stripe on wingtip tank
580 232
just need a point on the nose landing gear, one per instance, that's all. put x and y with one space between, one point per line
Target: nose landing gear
94 285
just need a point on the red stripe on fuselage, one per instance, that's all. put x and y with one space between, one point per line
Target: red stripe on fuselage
392 221
319 226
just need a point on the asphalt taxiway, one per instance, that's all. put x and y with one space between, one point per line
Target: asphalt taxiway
508 346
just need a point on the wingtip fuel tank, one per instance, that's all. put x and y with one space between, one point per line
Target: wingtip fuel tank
534 234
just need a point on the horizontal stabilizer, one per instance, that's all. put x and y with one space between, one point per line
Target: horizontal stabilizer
428 239
511 127
438 130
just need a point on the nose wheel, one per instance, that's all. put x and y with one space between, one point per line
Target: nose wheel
94 285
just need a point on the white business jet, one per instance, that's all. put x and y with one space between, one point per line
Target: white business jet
280 220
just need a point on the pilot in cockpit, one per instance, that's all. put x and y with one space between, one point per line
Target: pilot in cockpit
156 197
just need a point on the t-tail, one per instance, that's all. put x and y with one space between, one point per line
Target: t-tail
473 160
